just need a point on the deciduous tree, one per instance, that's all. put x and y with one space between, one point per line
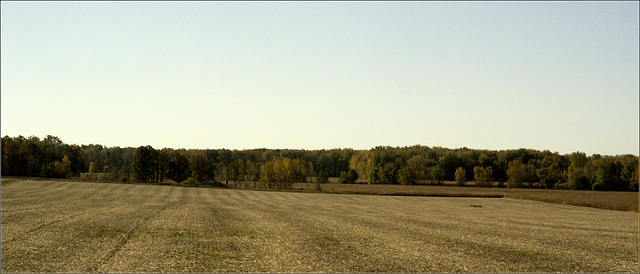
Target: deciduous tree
483 176
461 176
143 165
516 173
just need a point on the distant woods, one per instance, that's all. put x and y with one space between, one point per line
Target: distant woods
280 168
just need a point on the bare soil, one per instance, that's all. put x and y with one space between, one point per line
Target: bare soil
63 226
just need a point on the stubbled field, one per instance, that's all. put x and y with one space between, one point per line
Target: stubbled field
62 226
616 200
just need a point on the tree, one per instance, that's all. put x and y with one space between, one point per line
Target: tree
483 176
435 174
629 173
64 168
322 179
201 168
278 173
349 177
57 169
516 173
235 171
268 174
179 168
125 173
92 169
161 168
143 165
461 176
352 176
405 176
576 178
581 172
549 176
608 177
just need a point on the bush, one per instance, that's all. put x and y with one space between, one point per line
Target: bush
349 177
562 186
597 187
190 182
168 182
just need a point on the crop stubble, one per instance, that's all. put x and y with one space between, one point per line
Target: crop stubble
61 226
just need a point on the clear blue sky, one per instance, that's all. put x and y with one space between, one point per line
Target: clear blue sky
561 76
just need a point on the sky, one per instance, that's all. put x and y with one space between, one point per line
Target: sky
558 76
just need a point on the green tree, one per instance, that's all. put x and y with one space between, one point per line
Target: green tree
608 177
235 171
201 168
352 176
125 173
581 172
405 176
323 178
161 168
57 169
179 168
143 164
348 177
435 175
629 173
461 176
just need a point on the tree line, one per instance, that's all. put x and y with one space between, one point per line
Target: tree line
279 168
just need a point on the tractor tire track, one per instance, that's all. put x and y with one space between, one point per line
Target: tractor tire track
123 241
52 222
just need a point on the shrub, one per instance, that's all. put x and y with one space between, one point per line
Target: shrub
597 187
562 186
190 182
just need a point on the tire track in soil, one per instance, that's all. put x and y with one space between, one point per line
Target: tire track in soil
317 236
99 191
283 243
370 243
45 224
40 226
49 223
123 241
40 187
478 244
168 195
172 240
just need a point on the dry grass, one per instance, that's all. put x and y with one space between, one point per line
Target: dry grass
62 226
615 200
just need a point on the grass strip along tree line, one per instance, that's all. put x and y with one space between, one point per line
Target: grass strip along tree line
279 168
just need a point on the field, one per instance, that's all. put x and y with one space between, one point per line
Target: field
627 201
64 226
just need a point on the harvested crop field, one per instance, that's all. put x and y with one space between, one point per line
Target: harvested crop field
62 226
617 200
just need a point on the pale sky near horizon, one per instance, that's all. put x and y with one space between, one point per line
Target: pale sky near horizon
561 76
